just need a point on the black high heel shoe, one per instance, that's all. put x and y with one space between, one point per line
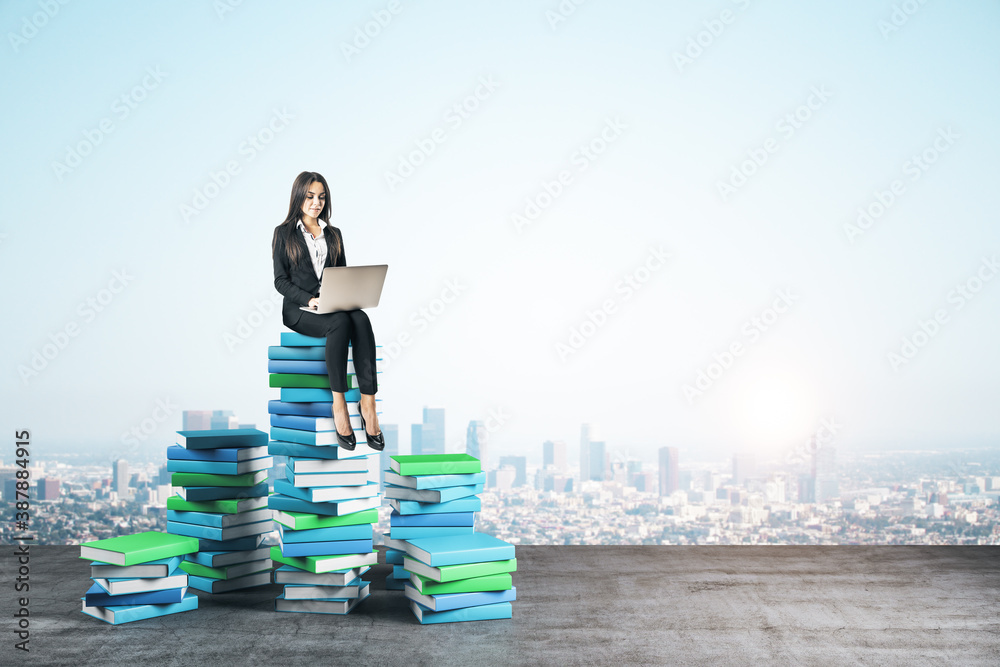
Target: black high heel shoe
344 441
376 442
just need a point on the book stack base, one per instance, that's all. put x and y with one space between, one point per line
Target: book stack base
138 577
222 502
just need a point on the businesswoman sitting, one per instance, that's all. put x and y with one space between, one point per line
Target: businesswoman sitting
303 245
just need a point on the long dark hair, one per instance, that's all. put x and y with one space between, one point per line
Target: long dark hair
300 188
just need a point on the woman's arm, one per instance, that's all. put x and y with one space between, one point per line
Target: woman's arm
282 282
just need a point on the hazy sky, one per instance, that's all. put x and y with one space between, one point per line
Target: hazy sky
527 168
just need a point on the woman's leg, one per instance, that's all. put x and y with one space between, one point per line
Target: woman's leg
363 354
336 327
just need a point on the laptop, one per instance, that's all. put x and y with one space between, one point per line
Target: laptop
349 287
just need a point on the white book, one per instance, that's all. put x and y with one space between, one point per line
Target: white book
243 569
226 558
286 574
312 480
308 466
392 543
319 606
123 586
299 592
326 494
332 563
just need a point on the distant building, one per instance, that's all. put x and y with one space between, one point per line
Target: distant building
434 442
196 420
585 435
120 478
744 467
502 478
519 464
669 459
554 455
824 473
475 442
598 461
224 419
48 489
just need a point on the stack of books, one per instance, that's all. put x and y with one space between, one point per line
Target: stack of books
137 577
221 476
460 578
432 495
328 501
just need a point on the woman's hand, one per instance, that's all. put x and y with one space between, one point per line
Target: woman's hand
313 303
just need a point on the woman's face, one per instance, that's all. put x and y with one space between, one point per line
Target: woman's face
315 200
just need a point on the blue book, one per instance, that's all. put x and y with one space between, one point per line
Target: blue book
299 450
220 467
294 339
215 520
394 584
422 482
459 549
219 534
470 504
361 531
239 544
411 532
486 612
440 519
320 409
340 548
312 480
315 395
399 573
280 501
445 602
224 454
116 615
227 558
441 495
98 597
326 494
317 353
312 423
221 438
315 438
209 585
297 366
199 493
394 556
161 567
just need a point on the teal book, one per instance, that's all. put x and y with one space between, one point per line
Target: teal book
459 549
470 504
306 451
434 481
394 556
460 571
221 438
161 567
227 558
314 395
300 521
197 494
210 585
432 495
326 494
220 467
228 572
227 506
224 454
117 615
320 606
314 479
283 503
490 582
215 520
486 612
434 464
458 600
220 534
362 531
411 532
301 353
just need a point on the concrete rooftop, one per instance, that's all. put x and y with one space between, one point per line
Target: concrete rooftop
785 605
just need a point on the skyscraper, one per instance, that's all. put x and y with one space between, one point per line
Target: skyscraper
48 489
119 478
416 439
744 466
586 432
598 465
518 463
824 473
197 420
669 458
435 418
475 442
554 454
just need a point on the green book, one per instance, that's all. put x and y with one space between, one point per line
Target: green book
434 464
447 573
208 479
491 582
320 564
304 521
228 572
138 548
301 380
230 506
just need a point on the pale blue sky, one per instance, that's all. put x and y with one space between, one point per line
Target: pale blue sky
222 78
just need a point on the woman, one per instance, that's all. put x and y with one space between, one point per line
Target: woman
303 245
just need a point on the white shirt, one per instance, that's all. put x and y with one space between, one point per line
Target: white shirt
317 246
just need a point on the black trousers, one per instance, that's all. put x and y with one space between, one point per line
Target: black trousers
339 328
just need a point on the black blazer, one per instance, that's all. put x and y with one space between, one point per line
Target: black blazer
298 283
